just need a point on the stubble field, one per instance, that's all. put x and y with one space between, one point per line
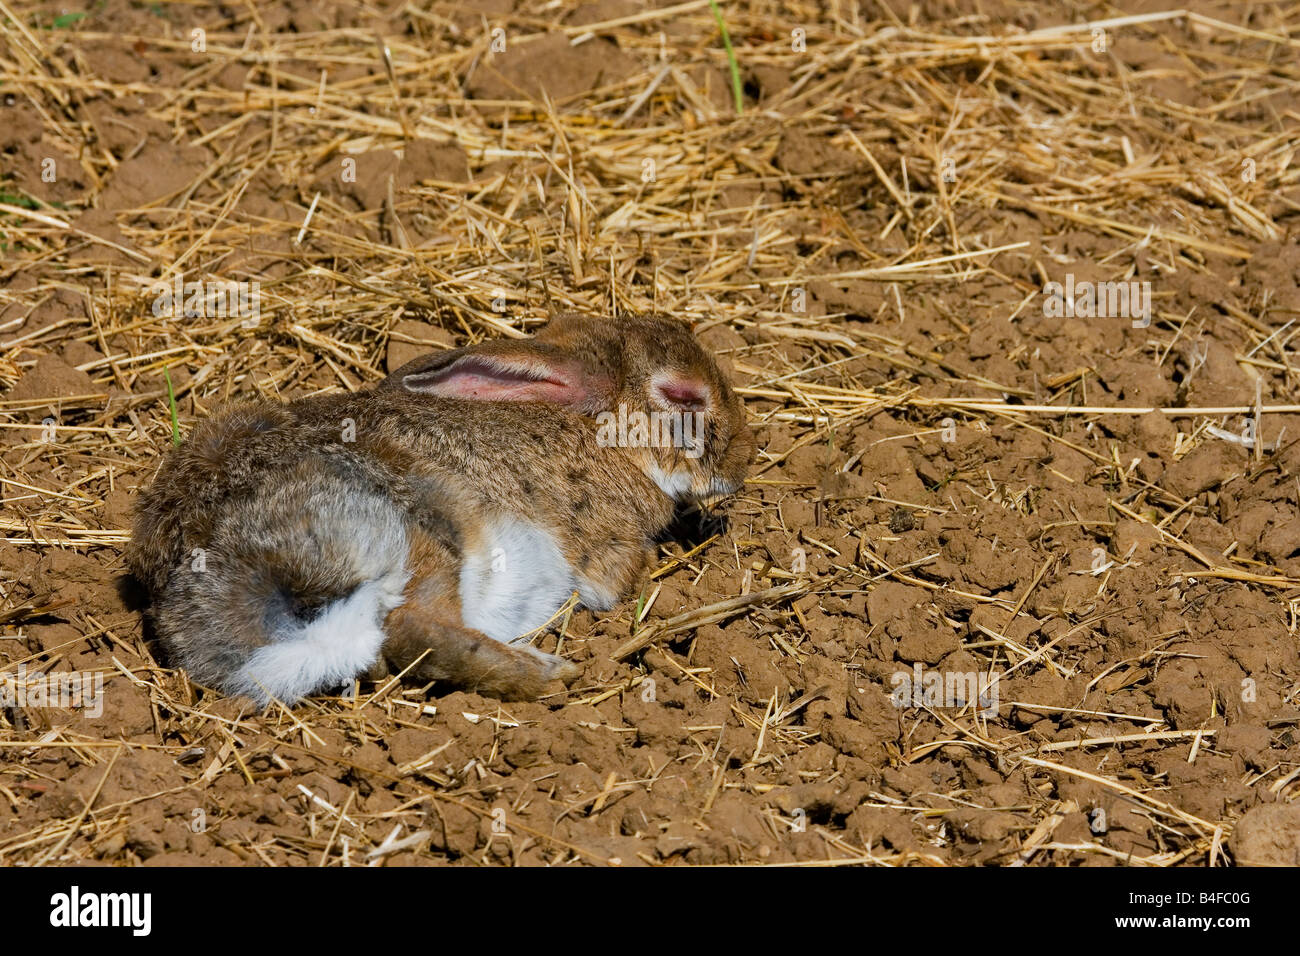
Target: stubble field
1087 514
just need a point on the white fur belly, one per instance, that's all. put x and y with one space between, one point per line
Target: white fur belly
515 582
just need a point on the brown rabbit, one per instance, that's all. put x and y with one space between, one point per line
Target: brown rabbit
437 517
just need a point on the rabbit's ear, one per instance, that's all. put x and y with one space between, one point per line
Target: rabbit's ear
518 377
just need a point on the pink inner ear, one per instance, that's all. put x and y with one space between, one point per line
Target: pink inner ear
685 393
485 381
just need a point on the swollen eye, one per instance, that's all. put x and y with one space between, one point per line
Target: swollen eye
682 393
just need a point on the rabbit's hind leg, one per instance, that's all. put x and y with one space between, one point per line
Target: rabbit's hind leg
426 638
470 660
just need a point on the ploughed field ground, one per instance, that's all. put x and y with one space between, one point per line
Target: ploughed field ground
1089 515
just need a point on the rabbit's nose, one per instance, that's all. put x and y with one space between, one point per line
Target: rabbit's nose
720 486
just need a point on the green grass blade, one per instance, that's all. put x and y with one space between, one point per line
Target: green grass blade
640 606
736 91
171 400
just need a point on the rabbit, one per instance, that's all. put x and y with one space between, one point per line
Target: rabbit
431 521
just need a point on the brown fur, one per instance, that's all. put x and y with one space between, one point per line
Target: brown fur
287 497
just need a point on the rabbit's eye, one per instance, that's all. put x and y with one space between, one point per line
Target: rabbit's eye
692 395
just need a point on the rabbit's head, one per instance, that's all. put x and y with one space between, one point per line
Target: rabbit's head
651 388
